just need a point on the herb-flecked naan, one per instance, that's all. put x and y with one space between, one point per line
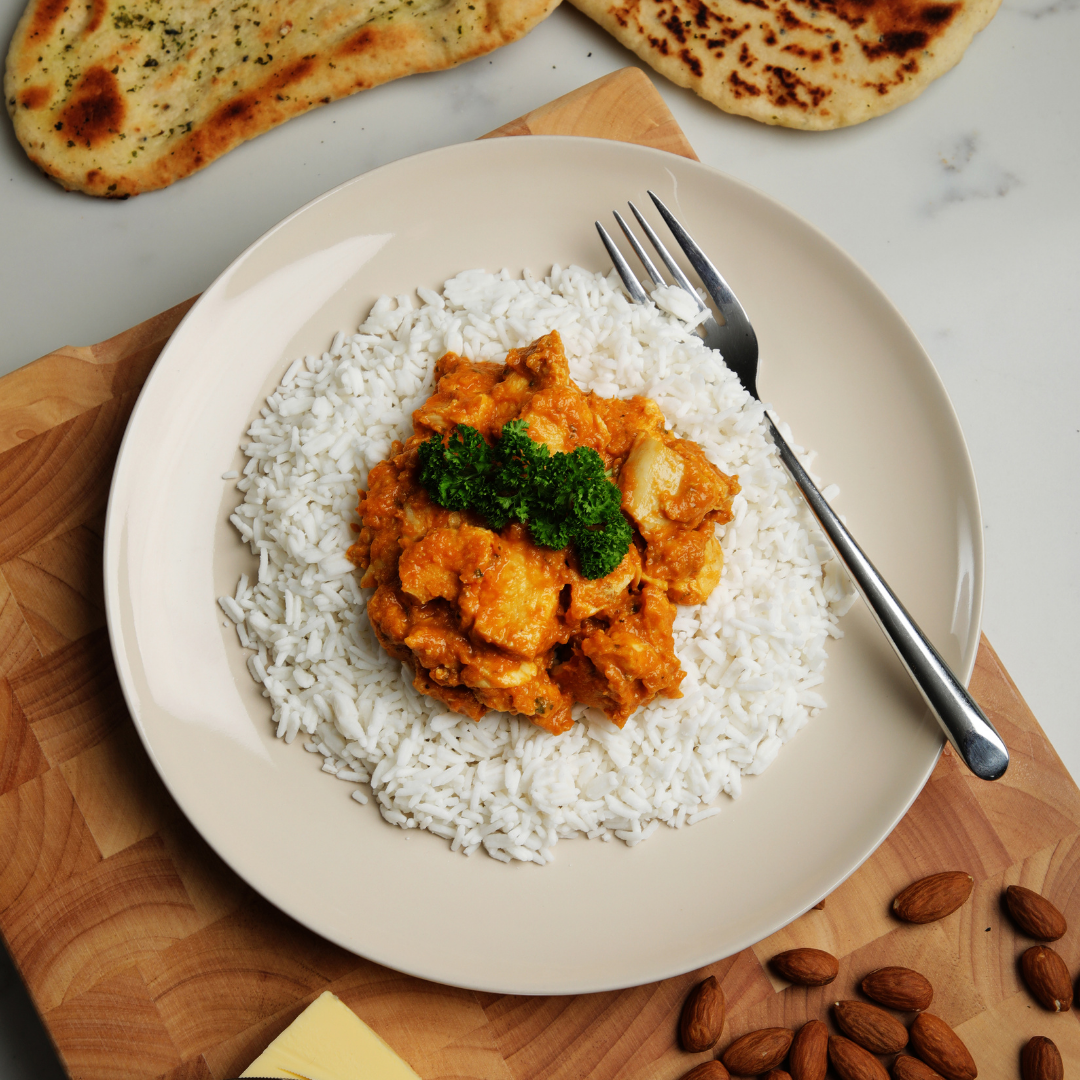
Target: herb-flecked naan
117 97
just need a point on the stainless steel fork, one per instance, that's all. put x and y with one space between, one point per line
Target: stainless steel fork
964 723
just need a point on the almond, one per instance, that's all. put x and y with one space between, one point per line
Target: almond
777 1074
940 1047
708 1070
758 1051
810 1052
702 1018
933 897
872 1028
910 1068
1034 914
899 988
1047 978
852 1062
1040 1060
807 967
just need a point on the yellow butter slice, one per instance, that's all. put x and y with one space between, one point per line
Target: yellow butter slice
328 1041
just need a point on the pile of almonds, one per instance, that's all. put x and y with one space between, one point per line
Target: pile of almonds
934 1050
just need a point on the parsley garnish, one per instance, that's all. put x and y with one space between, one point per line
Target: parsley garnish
563 498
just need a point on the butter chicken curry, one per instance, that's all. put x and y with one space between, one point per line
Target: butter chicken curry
492 620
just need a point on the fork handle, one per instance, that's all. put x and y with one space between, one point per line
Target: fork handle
964 723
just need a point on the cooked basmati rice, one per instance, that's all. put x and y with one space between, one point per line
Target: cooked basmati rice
754 653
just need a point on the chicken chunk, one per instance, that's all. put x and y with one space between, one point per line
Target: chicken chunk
444 560
651 471
617 668
626 419
395 512
516 600
464 396
606 594
687 564
668 483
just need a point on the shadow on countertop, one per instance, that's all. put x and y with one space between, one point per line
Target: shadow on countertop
25 1050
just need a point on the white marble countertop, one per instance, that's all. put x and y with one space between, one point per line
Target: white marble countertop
962 205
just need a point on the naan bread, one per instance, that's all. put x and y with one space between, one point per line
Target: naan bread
812 64
116 97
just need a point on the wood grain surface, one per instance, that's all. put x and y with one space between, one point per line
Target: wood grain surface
148 958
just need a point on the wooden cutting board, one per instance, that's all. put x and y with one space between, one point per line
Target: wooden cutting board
147 957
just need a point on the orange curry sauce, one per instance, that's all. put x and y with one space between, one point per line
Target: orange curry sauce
491 620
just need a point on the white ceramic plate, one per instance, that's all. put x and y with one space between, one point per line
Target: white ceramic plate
839 364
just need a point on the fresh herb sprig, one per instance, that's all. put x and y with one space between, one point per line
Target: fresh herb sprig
563 498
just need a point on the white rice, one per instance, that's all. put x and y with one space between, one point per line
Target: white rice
754 653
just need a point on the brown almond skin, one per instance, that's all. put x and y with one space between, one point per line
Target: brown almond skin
702 1018
807 967
810 1052
758 1051
777 1074
1041 1060
872 1028
899 988
1034 914
1047 978
708 1070
906 1067
852 1062
941 1048
933 897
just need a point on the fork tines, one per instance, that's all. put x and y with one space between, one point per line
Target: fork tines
630 282
629 279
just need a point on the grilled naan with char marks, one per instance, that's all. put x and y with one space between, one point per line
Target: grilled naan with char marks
812 64
116 97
